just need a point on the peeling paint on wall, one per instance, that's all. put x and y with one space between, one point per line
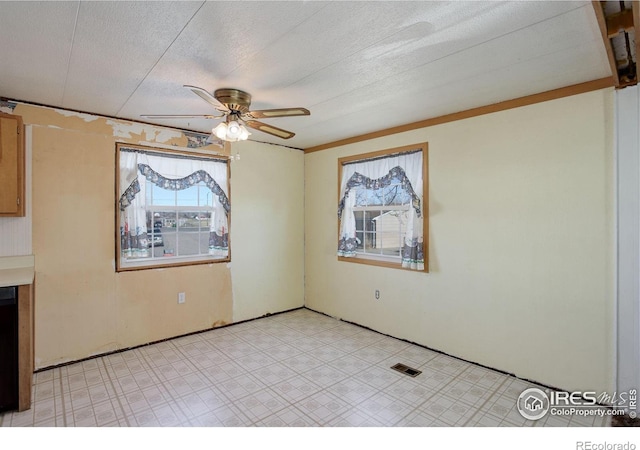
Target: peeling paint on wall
104 310
123 129
115 310
83 116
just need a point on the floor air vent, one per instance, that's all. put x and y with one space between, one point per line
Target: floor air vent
406 370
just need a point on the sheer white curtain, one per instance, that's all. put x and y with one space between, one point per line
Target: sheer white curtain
374 174
133 215
180 173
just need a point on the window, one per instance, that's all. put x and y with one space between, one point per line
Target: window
381 210
172 208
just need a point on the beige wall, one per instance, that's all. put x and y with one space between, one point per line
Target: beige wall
267 195
83 307
521 236
521 215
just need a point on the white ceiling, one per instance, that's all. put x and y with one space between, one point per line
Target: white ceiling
357 66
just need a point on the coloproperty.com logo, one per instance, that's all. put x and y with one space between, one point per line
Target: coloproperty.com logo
534 403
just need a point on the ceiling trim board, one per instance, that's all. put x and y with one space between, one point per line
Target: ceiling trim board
553 94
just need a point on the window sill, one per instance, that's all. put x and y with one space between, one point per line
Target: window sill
174 262
381 263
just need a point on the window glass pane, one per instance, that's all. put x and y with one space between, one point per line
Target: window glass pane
164 219
188 221
362 196
206 196
375 197
204 240
156 242
188 233
369 242
169 240
188 197
160 196
390 228
204 219
395 194
371 227
161 232
359 216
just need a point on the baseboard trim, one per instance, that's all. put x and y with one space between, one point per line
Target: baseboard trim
553 388
113 352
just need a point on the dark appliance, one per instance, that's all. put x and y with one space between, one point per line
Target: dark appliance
8 348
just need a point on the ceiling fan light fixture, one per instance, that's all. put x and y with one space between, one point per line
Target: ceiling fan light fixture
244 133
233 130
220 131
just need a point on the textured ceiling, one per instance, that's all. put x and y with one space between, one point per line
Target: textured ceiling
357 66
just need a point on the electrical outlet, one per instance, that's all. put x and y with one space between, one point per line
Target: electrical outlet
181 297
377 294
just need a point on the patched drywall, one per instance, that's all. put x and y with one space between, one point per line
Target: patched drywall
83 307
120 130
521 244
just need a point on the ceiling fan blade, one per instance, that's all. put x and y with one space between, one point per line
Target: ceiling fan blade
270 129
204 95
181 116
281 112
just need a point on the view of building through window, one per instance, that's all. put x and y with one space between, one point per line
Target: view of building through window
381 217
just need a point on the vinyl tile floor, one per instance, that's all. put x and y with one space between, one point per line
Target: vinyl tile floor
295 369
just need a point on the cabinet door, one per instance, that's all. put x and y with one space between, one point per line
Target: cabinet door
11 166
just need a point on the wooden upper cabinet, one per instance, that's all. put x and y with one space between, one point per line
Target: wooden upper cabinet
11 166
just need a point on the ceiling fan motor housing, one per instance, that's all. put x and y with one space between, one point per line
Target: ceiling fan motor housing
234 99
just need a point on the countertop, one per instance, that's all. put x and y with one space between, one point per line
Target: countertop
16 270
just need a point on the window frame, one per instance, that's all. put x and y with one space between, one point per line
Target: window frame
176 261
371 260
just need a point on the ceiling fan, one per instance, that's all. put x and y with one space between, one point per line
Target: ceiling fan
233 104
